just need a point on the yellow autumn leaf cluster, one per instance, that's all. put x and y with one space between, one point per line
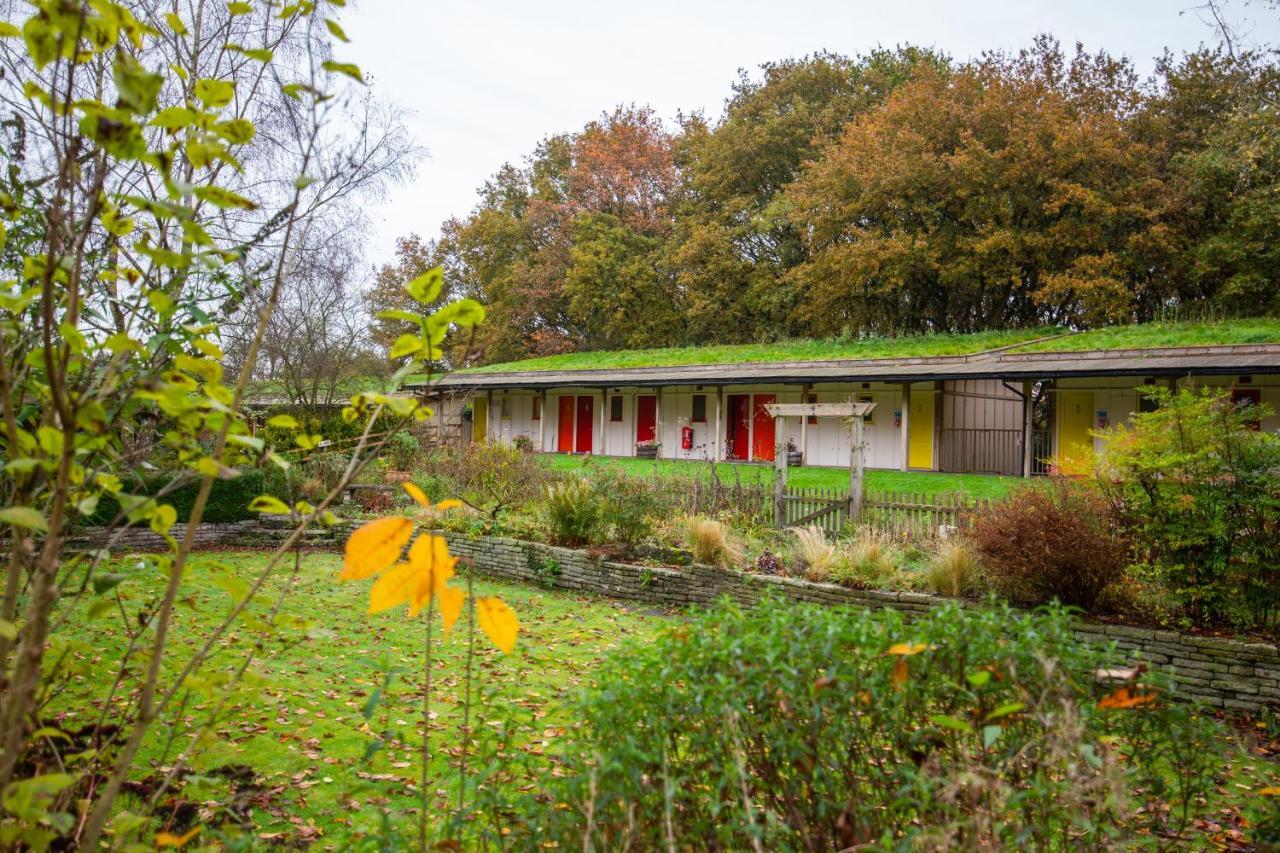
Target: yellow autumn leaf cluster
421 578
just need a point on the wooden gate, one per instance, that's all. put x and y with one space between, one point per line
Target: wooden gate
827 508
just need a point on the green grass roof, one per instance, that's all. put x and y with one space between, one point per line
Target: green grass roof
1252 331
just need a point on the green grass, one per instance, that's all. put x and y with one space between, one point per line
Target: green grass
882 347
1260 330
301 726
918 482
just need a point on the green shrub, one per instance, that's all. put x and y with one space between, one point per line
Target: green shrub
819 728
1050 541
627 505
1198 486
402 450
228 499
573 512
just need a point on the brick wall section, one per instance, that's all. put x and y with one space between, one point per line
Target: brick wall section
1222 673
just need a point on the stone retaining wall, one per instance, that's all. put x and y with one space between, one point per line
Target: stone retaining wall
245 533
1221 673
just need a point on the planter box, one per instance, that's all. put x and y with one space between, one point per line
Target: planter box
646 451
795 458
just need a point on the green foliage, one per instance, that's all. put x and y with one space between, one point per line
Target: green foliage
628 505
228 499
1050 541
573 512
821 728
1199 487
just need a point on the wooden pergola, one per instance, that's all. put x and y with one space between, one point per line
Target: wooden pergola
855 411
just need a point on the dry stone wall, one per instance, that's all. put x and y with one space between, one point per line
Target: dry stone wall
1219 672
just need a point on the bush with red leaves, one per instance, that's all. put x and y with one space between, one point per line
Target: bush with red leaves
1054 540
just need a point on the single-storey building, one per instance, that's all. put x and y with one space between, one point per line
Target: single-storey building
1008 410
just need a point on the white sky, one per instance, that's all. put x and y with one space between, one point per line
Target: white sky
484 81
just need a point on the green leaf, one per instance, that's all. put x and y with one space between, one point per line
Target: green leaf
239 8
426 287
405 345
24 516
990 734
1005 710
175 23
283 422
349 69
215 93
336 30
8 30
948 722
224 198
163 518
237 131
268 504
107 581
8 630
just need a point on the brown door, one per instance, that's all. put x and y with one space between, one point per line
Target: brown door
762 436
586 410
564 430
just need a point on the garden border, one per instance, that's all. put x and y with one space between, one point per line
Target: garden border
1219 672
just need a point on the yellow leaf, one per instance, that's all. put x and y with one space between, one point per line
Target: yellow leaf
430 555
1269 792
375 546
168 839
417 494
900 673
449 599
396 586
451 503
906 649
498 621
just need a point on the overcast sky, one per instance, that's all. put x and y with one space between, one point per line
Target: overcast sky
484 81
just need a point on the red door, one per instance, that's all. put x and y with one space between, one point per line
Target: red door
737 439
586 407
646 417
763 433
564 430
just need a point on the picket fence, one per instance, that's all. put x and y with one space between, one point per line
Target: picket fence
894 513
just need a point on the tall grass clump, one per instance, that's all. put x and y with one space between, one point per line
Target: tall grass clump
709 541
868 561
953 570
816 554
572 511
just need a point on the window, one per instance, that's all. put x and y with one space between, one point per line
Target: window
615 409
870 419
537 409
699 409
506 408
812 398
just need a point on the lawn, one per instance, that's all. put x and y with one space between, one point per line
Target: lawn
1260 330
915 482
301 730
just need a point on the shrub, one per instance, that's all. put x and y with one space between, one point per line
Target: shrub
806 727
1198 486
228 499
1050 541
402 450
627 504
952 570
709 541
815 553
573 512
494 477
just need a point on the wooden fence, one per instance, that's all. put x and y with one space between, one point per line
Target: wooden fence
896 513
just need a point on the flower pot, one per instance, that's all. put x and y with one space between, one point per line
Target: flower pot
646 451
795 458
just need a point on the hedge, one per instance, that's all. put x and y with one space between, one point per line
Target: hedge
228 499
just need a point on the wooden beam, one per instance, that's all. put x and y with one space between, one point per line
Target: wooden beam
804 422
779 470
604 413
718 451
542 423
905 462
657 418
820 410
488 415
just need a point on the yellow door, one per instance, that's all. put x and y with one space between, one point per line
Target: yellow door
920 427
1075 419
479 420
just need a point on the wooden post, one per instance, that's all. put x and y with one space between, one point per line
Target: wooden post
1028 426
542 423
905 462
657 418
720 451
855 472
779 470
488 414
604 407
804 423
440 421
